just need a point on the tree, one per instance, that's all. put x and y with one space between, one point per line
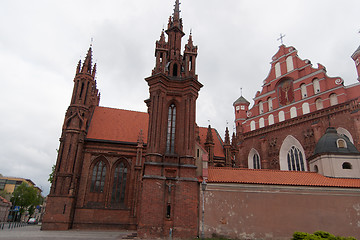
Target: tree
27 198
5 194
51 175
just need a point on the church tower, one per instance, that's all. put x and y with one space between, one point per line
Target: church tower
62 198
169 200
356 57
241 106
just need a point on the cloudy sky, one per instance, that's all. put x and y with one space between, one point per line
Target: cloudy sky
42 41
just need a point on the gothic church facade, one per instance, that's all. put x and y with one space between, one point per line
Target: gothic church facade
122 169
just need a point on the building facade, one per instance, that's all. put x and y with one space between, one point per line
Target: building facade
122 169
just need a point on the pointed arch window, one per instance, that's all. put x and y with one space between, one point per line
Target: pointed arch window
170 138
295 159
256 161
119 185
98 177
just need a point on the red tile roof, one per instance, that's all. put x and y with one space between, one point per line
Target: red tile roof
121 125
277 177
118 125
218 147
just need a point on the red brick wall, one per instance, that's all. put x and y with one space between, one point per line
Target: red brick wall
259 211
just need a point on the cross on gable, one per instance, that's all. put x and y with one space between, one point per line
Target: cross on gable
281 38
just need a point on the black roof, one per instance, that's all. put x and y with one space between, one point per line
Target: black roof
328 143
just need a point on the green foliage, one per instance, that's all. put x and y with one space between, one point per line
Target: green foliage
26 197
318 235
5 194
51 175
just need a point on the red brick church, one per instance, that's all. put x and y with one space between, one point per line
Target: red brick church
295 151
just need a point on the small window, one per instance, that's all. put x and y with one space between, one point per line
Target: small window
341 143
333 99
289 63
293 112
277 70
319 104
252 125
346 165
305 108
271 119
270 104
316 84
316 169
261 122
281 116
261 107
303 90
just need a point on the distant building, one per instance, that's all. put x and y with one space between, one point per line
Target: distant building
147 171
5 206
9 184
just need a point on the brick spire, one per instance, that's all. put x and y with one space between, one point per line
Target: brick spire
88 62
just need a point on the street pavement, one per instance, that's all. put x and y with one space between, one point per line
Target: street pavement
33 232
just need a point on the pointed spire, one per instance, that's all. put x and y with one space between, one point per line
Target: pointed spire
88 62
176 15
227 137
233 140
78 67
209 136
94 70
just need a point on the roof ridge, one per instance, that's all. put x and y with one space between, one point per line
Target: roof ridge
114 108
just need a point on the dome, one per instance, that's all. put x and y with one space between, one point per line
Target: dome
332 142
241 99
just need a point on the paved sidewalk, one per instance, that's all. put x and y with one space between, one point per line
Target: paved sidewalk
31 232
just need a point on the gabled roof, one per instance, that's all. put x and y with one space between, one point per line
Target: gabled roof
277 177
218 147
120 125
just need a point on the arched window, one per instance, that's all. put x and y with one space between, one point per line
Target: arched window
261 107
333 99
289 63
316 169
119 185
316 85
252 125
261 122
291 155
277 70
98 177
293 112
341 143
170 139
346 133
271 119
295 159
305 108
270 104
319 104
281 116
256 161
346 165
303 90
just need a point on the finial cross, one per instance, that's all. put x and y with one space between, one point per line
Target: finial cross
281 38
